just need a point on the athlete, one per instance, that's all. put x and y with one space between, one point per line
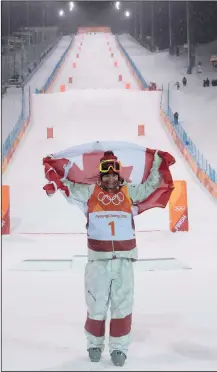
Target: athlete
111 252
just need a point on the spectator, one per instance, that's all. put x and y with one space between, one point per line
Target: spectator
214 83
177 85
176 118
184 81
206 83
152 86
199 68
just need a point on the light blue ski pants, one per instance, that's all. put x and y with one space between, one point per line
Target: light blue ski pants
109 281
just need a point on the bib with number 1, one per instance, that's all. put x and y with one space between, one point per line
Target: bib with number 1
109 215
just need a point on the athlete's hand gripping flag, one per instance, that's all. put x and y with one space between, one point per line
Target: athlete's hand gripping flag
80 164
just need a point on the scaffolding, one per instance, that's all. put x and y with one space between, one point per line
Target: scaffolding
23 51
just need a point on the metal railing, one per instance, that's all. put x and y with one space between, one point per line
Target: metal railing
23 51
13 135
9 144
186 140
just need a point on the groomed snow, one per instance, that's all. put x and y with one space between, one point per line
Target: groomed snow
174 318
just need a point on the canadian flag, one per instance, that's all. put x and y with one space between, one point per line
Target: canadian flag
80 164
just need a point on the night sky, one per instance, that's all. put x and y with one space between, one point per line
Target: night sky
39 13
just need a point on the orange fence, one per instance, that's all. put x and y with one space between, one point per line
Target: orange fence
82 30
5 210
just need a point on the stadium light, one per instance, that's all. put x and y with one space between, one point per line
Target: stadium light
61 13
127 13
117 5
71 6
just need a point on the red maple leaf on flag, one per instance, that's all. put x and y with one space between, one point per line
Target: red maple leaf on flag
55 170
90 172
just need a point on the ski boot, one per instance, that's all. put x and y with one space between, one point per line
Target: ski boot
94 354
118 358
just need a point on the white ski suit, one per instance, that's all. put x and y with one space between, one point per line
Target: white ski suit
111 252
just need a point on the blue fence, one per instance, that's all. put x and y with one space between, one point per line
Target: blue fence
138 73
44 56
199 158
25 111
55 70
12 136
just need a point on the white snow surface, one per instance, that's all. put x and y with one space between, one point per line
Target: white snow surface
197 106
174 317
12 100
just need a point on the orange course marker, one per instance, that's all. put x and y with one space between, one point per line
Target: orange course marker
127 86
178 207
74 65
141 130
50 132
115 63
120 77
5 210
70 79
62 88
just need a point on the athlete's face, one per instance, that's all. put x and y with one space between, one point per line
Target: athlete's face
110 181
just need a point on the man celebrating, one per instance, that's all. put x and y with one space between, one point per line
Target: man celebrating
111 250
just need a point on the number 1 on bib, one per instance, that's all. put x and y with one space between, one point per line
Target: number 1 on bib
112 224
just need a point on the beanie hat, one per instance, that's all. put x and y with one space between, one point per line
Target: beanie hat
108 155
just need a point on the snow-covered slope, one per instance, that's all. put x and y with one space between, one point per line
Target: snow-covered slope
174 316
196 105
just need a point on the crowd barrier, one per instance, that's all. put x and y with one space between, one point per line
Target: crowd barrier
200 166
177 133
45 55
51 79
14 137
198 156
